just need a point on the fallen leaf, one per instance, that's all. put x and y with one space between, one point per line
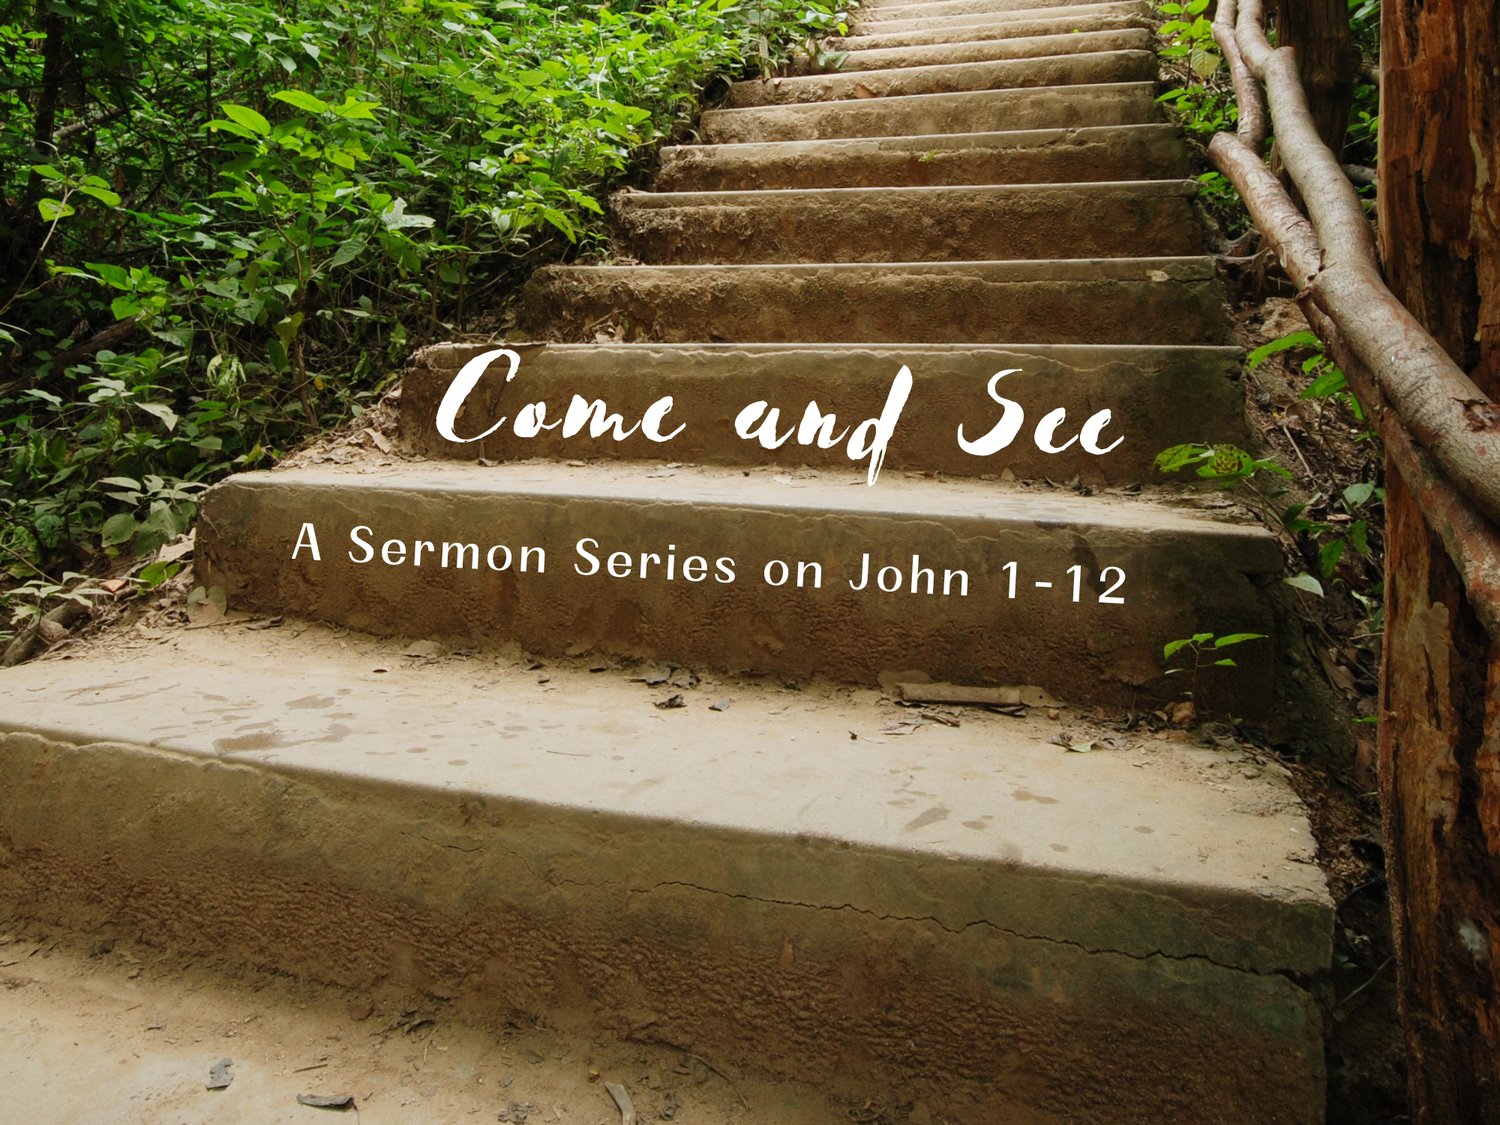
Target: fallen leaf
1076 743
182 545
622 1102
327 1101
219 1077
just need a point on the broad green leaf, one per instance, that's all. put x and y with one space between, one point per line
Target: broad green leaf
1330 382
167 415
301 99
103 195
1305 582
110 274
353 110
1329 556
1175 457
1205 63
157 573
117 529
222 126
249 118
54 209
1281 344
1237 638
349 249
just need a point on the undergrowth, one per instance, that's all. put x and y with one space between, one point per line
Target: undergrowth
225 223
1315 478
1201 95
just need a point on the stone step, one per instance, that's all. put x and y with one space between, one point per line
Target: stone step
71 999
1122 38
1084 18
945 602
1073 301
942 9
938 224
812 883
999 74
984 111
940 18
1157 396
1039 156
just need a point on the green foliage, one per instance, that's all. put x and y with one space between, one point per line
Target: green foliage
1225 465
1347 530
28 600
1328 381
1360 142
1220 199
1201 651
1204 100
1201 98
268 202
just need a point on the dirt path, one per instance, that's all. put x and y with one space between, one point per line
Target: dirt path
95 1032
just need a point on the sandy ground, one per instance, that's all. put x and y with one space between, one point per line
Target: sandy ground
94 1031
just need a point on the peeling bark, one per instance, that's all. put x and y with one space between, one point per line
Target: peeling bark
1424 354
1440 730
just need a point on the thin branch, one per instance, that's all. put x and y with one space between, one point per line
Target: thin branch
1252 115
1331 257
1471 541
85 125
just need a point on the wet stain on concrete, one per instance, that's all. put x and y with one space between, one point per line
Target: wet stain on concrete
931 816
1028 795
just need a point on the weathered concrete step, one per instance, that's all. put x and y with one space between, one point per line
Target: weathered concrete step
1124 38
1039 156
72 998
1157 396
927 224
1000 74
1084 18
966 915
536 526
942 17
1118 300
910 9
984 111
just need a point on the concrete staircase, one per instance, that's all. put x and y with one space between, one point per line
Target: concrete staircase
763 860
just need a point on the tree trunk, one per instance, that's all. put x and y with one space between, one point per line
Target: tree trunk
1439 199
1327 60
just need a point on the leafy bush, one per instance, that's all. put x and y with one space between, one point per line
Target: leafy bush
262 204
